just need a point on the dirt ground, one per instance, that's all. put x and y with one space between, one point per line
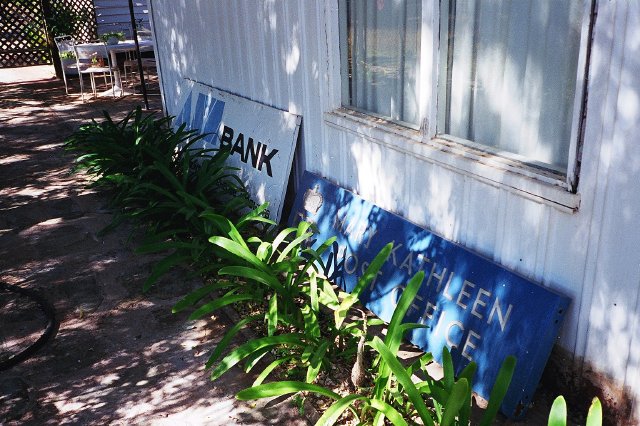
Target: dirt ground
119 356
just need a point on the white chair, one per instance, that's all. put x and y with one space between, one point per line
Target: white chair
144 34
130 68
66 53
92 59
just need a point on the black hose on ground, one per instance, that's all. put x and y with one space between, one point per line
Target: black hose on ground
49 331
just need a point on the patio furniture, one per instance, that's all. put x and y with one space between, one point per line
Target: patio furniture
130 67
92 59
65 44
125 46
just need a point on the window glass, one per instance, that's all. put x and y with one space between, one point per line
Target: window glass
379 44
508 69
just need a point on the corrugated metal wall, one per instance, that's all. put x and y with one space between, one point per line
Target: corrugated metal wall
283 53
113 15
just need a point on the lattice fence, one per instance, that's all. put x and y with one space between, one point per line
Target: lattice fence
24 39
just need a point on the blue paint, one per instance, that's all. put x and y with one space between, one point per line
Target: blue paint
482 311
206 117
198 114
184 117
212 122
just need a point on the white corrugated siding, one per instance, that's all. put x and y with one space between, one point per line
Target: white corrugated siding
276 52
114 15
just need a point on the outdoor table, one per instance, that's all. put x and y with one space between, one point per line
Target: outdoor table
122 46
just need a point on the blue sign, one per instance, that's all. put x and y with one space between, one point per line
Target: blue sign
480 310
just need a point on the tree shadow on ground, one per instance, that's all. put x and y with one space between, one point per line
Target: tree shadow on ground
120 356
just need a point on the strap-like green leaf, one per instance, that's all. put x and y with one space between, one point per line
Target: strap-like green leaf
373 269
269 390
316 362
396 329
168 174
194 200
499 390
252 215
468 373
220 302
311 325
558 413
272 366
163 266
228 336
594 417
264 250
401 376
391 413
282 235
395 333
313 292
460 392
295 244
239 251
331 415
423 360
340 313
255 275
225 227
447 367
250 347
328 296
303 227
439 394
254 358
156 188
272 315
324 246
193 297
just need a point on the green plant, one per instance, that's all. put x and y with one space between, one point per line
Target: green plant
112 34
113 152
298 303
62 20
159 181
67 55
558 413
298 401
153 171
395 395
96 61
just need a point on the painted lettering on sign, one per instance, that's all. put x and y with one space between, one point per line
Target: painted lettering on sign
468 296
261 139
478 309
260 154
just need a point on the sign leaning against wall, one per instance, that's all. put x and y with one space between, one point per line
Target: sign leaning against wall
262 139
479 310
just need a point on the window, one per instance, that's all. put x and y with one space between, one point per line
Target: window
380 61
508 79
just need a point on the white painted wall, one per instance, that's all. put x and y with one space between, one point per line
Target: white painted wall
285 54
114 15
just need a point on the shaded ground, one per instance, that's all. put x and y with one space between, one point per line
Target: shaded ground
119 357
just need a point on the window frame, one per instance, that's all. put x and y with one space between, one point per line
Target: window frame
530 179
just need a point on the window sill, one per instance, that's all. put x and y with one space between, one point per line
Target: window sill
540 185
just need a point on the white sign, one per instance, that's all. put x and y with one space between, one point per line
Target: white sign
262 139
